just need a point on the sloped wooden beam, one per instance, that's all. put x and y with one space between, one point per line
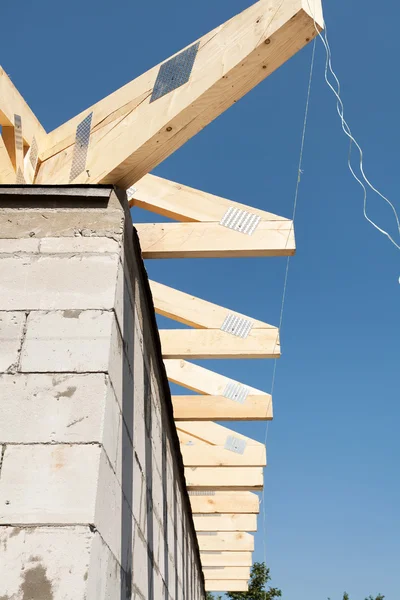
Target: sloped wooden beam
193 311
224 478
199 454
201 380
242 573
213 343
225 502
212 240
226 541
131 134
226 559
7 172
222 585
219 408
213 433
225 522
184 203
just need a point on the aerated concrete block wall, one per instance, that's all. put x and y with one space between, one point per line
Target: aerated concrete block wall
92 498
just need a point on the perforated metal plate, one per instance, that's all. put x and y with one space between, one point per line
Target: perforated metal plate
207 533
211 552
33 155
201 493
237 325
130 192
207 515
240 220
20 177
175 72
82 138
19 144
235 444
237 392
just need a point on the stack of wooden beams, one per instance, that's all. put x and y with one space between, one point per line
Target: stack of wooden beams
119 141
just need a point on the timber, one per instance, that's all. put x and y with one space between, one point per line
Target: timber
226 559
222 585
213 433
225 522
199 454
7 171
224 478
225 502
219 408
242 573
131 135
226 541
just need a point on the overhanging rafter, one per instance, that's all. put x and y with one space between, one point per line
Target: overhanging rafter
225 502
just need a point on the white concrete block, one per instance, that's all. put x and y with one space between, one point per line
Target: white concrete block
11 246
33 282
140 565
59 245
55 408
11 328
52 484
65 341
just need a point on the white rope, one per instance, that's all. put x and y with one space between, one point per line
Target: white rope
348 133
296 196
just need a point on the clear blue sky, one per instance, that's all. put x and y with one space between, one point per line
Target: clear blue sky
332 484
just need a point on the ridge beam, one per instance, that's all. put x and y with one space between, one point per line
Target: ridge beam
184 203
212 240
135 129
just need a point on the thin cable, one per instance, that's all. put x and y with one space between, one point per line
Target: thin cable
296 197
346 129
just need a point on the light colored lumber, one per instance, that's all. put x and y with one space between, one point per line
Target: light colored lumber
213 343
131 135
193 311
226 541
201 380
183 203
12 103
226 559
7 172
224 502
213 433
225 522
219 408
224 478
242 573
222 585
199 454
212 240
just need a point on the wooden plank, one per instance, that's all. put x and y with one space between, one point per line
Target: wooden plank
131 134
199 454
233 573
201 380
213 343
226 541
212 240
225 502
226 559
213 433
7 172
12 103
183 203
222 585
225 522
224 478
193 311
219 408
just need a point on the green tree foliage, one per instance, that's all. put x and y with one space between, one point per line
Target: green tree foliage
258 579
378 597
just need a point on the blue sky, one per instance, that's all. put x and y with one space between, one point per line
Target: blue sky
332 484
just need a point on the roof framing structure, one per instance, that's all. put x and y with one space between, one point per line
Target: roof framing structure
118 141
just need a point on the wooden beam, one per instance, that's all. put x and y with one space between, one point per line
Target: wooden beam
226 559
7 172
224 478
213 433
192 311
201 380
225 522
213 343
226 541
199 454
212 240
219 408
222 585
11 104
131 134
183 203
242 573
225 502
